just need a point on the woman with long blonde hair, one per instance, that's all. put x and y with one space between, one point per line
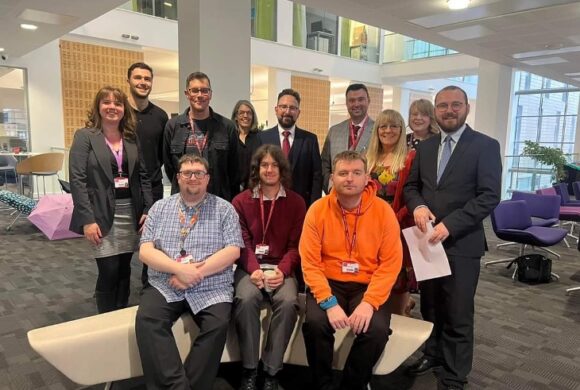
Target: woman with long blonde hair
389 164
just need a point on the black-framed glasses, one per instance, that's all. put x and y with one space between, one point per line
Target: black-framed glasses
201 91
189 174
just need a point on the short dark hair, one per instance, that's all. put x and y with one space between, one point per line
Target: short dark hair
357 87
349 155
291 92
197 76
193 159
139 65
452 88
279 157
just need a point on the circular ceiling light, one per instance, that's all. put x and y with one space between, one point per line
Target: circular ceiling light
457 4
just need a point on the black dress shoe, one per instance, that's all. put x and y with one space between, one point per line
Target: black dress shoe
422 366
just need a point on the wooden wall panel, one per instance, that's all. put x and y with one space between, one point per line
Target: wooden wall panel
85 69
315 105
376 105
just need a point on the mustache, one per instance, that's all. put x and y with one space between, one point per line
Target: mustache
450 116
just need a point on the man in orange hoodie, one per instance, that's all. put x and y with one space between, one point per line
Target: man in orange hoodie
351 255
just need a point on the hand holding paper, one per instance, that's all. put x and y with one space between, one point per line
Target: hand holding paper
429 260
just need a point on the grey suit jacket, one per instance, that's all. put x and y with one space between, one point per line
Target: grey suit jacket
337 141
92 185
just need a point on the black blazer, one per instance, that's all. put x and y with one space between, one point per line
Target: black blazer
305 162
468 191
92 185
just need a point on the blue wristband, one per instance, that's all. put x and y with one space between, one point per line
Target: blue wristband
328 303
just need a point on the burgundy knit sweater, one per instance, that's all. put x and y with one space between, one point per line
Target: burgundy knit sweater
283 232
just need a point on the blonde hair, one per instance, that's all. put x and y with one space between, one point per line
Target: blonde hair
375 149
425 107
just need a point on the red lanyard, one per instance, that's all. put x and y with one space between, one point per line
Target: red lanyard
200 145
186 227
262 214
350 242
355 140
118 155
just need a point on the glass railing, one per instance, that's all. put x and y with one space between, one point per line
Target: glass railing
161 8
397 47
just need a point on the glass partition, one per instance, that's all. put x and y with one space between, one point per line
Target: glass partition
359 41
398 47
315 29
14 126
263 19
160 8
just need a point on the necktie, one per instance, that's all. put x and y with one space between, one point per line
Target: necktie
352 141
445 155
286 143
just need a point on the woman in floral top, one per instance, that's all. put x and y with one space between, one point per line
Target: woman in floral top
389 164
422 122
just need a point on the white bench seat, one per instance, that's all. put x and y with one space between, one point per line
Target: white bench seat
103 348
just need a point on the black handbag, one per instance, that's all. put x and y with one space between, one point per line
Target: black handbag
533 268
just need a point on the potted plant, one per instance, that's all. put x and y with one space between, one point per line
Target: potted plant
551 157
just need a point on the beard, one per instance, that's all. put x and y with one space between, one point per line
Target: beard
287 121
451 127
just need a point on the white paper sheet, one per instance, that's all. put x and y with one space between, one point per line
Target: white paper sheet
429 261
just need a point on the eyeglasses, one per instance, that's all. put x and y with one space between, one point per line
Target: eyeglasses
189 174
245 113
390 127
201 91
284 107
455 106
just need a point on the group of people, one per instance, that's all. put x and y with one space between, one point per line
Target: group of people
253 198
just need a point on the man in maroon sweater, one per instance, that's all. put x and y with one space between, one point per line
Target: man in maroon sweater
271 217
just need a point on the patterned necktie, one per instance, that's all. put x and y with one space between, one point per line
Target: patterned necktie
352 141
445 155
286 143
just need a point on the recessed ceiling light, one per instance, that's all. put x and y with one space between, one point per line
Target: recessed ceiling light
27 26
1 49
567 74
457 4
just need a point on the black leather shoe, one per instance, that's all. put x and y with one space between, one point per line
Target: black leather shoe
270 383
249 379
422 366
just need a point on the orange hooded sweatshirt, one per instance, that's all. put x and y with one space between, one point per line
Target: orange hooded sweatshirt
378 248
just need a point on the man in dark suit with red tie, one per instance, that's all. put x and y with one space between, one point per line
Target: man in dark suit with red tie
300 146
455 182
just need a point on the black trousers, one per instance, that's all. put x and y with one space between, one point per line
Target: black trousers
366 348
160 359
449 303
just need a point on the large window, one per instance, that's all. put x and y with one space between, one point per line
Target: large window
359 41
14 128
160 8
263 19
398 47
546 112
315 29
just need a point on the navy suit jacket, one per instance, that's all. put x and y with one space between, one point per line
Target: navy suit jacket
468 191
304 160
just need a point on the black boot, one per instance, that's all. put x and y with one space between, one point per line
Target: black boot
123 292
106 301
249 379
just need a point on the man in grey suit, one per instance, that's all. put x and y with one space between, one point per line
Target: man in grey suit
455 182
351 134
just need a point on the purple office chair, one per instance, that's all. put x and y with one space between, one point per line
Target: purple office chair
511 221
562 190
569 214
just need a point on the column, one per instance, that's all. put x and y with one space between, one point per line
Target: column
214 37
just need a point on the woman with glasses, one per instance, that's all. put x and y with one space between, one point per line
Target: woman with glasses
422 122
246 120
111 193
389 165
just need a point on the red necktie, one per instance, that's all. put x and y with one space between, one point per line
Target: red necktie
352 141
286 143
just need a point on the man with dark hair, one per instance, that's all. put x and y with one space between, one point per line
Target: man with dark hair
351 255
455 183
271 217
202 132
300 146
151 121
190 242
351 134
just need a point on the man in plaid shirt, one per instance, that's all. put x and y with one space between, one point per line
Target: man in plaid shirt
190 242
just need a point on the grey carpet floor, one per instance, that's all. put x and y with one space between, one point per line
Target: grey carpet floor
527 337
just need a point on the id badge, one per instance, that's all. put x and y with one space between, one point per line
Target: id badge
184 259
262 249
121 182
350 267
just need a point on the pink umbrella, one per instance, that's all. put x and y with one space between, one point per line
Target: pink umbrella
52 216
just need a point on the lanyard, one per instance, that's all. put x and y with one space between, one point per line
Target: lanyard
270 213
350 242
355 140
187 226
118 155
200 145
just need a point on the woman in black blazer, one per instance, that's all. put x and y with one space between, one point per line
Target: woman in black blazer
111 193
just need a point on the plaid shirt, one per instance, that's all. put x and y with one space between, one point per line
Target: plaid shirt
217 227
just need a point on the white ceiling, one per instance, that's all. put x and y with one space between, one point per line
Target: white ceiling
495 30
54 19
540 36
